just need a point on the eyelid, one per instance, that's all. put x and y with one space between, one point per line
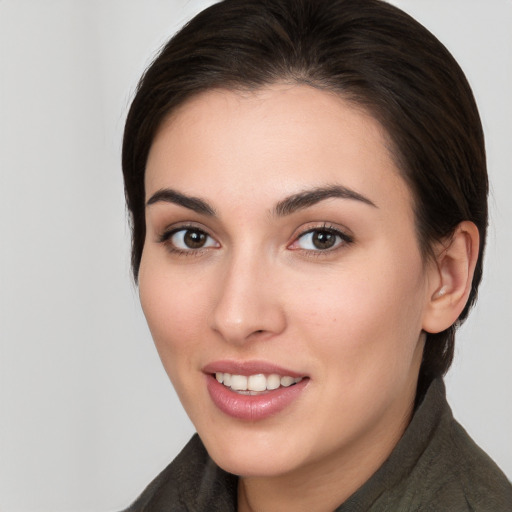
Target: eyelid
170 229
345 238
167 234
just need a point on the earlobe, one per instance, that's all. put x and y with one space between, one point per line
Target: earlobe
451 278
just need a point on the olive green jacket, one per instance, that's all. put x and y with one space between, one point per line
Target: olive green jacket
436 466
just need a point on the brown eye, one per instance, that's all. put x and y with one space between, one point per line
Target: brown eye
323 239
194 239
191 239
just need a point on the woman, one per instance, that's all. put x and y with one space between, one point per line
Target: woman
308 193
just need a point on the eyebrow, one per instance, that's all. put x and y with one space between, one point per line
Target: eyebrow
195 204
311 197
285 207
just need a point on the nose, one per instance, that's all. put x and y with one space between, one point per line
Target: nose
248 304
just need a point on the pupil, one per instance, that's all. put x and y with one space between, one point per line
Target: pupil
194 239
323 239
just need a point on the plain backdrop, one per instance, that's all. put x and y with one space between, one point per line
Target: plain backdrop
87 415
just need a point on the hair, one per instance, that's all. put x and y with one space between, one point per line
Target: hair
368 52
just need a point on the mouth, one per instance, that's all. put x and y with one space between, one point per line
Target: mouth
256 384
253 390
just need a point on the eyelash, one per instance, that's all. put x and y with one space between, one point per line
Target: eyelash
165 238
344 240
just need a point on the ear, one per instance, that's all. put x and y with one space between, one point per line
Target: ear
450 278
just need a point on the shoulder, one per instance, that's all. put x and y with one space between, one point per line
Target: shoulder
453 473
436 466
463 477
192 482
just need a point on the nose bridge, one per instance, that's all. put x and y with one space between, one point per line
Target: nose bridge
247 302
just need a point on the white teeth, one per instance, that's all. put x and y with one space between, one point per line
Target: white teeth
273 381
287 381
255 383
239 382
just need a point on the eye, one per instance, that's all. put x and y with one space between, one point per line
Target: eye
189 239
320 239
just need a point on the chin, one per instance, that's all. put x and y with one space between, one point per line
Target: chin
256 465
252 455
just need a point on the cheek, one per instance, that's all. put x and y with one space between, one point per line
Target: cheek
368 316
174 310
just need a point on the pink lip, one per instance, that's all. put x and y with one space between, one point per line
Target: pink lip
251 407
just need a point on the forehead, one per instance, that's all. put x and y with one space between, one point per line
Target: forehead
271 139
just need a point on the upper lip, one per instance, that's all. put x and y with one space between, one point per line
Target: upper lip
249 368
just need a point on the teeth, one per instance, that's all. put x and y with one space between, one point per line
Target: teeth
287 381
256 383
238 382
273 381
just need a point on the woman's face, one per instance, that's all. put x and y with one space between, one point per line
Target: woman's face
281 249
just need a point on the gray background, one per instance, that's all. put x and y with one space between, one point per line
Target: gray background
87 416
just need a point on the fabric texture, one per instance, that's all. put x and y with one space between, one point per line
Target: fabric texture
435 466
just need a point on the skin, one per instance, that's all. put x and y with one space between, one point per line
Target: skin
350 318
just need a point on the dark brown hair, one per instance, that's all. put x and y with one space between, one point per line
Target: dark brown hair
367 51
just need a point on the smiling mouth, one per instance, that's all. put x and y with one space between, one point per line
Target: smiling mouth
256 384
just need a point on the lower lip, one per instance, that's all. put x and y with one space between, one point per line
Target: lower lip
253 407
